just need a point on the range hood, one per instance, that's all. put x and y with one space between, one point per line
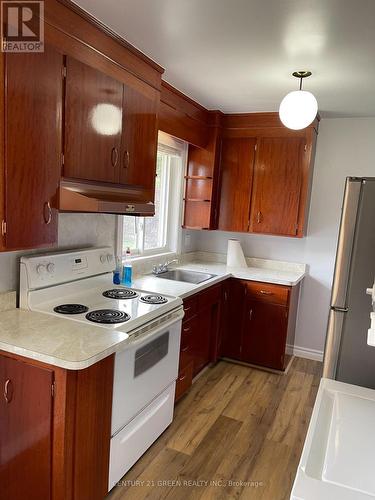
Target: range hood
90 197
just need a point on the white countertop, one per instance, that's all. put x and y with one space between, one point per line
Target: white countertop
266 275
72 345
338 457
57 341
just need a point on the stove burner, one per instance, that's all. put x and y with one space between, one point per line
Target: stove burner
71 309
107 316
120 293
154 299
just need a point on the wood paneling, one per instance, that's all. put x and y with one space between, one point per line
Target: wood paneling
277 185
237 164
93 124
26 430
33 147
182 117
139 140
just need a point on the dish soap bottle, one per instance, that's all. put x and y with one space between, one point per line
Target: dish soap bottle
117 273
127 270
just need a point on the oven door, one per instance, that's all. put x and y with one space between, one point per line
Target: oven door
144 369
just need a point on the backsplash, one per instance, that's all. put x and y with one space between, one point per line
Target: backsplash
75 230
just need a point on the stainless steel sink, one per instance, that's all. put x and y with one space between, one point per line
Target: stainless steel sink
186 276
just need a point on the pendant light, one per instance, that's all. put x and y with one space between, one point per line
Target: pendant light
298 108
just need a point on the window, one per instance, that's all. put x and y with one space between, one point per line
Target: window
159 234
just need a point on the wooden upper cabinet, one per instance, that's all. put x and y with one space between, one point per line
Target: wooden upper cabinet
277 185
93 124
33 147
26 430
139 139
237 163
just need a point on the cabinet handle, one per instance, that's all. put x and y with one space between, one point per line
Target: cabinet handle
47 212
265 292
259 217
185 349
7 394
126 160
180 379
187 329
114 156
225 296
187 309
250 314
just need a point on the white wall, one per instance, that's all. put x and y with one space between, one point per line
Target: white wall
346 147
75 230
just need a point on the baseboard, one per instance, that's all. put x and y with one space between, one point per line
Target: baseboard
304 352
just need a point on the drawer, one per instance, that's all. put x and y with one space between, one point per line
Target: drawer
130 443
186 356
187 330
184 381
190 307
268 292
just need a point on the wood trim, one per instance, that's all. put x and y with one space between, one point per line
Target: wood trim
182 117
61 16
258 121
108 31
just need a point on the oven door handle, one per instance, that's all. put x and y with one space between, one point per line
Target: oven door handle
140 338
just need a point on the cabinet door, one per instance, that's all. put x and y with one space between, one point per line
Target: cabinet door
25 430
93 123
277 185
201 340
233 314
139 141
264 334
33 147
237 162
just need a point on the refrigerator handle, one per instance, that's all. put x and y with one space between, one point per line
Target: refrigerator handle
333 339
345 242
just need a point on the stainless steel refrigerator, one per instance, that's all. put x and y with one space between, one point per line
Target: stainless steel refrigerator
347 356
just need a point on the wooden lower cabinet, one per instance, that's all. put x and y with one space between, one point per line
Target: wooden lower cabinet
199 335
258 322
26 411
55 429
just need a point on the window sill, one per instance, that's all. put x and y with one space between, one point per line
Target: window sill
145 258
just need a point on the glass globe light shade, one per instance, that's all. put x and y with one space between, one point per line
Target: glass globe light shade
298 109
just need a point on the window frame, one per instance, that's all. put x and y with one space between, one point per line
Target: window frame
172 206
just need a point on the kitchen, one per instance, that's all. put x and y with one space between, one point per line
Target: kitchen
194 373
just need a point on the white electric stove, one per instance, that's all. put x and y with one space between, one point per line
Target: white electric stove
77 285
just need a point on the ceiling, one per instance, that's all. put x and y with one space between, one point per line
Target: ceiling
238 55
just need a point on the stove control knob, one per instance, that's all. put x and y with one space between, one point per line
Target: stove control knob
109 257
40 269
102 258
50 267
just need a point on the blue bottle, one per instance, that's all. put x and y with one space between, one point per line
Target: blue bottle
127 269
117 273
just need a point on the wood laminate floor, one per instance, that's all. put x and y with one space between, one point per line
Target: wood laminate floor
237 434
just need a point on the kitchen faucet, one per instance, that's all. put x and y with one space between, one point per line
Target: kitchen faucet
163 268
